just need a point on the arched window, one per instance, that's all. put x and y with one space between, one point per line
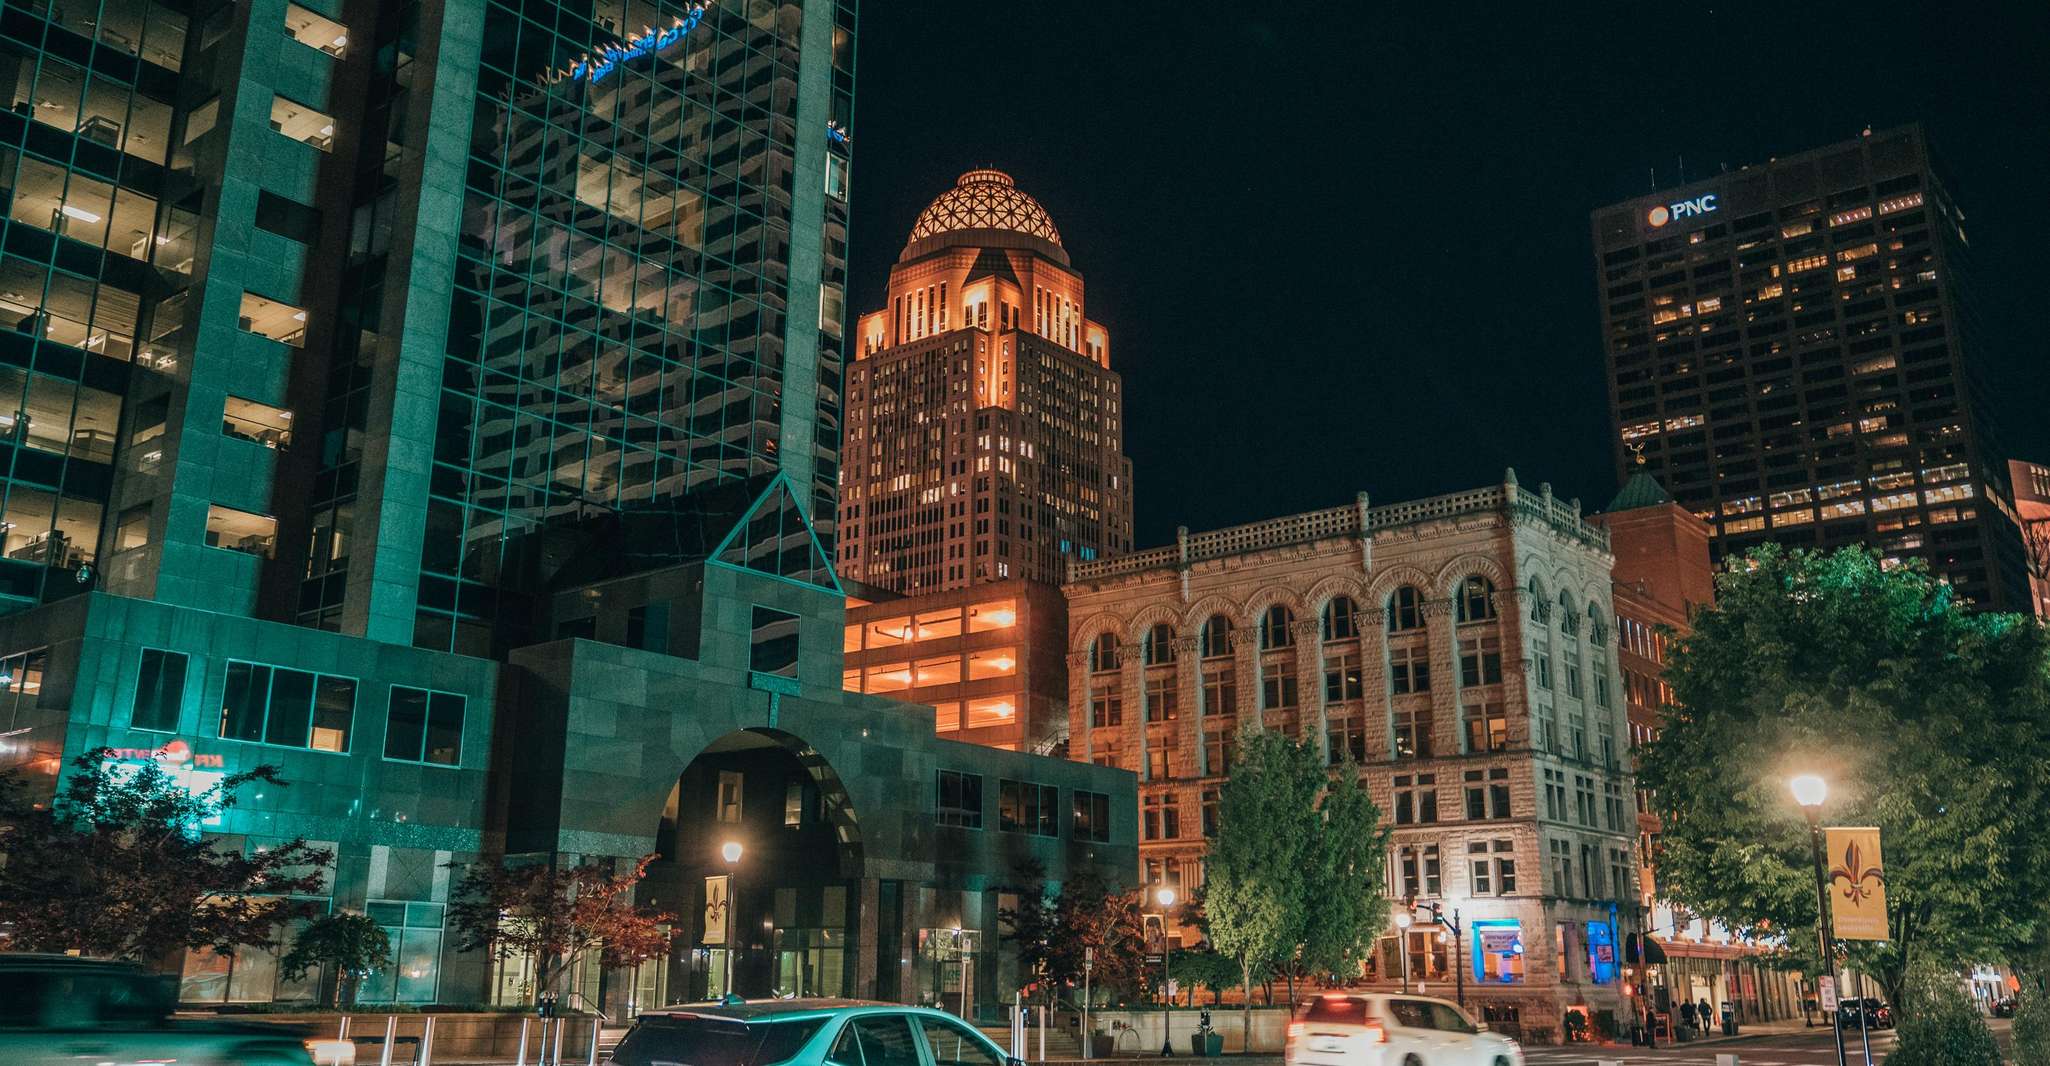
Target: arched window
1216 637
1338 619
1569 619
1274 627
1405 610
1103 654
1160 645
1597 633
1540 607
1476 599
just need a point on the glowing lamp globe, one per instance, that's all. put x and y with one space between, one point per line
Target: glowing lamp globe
1809 790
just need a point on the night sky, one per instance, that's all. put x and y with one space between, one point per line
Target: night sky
1340 251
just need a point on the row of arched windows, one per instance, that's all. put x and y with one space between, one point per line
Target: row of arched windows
1404 612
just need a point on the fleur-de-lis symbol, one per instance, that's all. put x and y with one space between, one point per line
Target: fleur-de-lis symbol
1855 874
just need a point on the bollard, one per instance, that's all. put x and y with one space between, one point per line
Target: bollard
1608 1062
343 1033
1725 1059
592 1059
560 1025
524 1023
426 1056
1042 1032
391 1036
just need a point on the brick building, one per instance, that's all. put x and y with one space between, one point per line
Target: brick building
1459 649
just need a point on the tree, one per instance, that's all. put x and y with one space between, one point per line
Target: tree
346 944
1057 932
557 916
1927 720
2031 1025
115 866
1253 894
1941 1027
1349 863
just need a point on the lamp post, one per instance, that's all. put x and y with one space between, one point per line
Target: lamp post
731 852
1809 791
1451 925
1403 920
1166 898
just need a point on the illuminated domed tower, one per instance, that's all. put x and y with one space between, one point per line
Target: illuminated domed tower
985 429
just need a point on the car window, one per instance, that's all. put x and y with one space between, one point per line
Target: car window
100 999
1447 1017
666 1040
1411 1013
1336 1010
953 1045
876 1040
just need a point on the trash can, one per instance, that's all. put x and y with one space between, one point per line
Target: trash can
1198 1046
1213 1043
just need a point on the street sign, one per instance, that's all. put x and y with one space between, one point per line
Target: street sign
1088 959
1827 994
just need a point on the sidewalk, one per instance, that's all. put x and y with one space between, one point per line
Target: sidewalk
1753 1030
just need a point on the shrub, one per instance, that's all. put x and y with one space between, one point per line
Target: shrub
2031 1026
1940 1026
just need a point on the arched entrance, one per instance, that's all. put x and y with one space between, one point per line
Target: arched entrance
778 919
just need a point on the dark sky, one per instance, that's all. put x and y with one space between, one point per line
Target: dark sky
1345 246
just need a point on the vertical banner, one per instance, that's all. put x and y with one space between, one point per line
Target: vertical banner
715 909
1857 884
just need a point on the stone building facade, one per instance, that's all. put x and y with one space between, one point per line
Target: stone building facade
1459 649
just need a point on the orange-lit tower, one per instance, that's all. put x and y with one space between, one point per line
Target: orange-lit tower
985 428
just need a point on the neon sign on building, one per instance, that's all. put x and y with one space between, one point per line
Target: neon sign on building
180 763
594 68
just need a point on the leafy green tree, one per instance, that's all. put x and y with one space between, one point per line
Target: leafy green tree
347 945
1202 967
557 916
116 866
2031 1025
1255 893
1941 1027
1346 904
1927 720
1056 931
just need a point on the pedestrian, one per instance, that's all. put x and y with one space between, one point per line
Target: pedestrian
1706 1013
1686 1014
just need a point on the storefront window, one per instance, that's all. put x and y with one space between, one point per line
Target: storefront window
414 969
1498 951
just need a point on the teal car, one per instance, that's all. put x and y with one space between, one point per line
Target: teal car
805 1032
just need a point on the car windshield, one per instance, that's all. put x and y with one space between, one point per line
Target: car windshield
692 1040
1343 1010
82 999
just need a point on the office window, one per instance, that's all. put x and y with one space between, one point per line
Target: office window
1091 817
726 800
288 708
1413 732
1498 792
1487 727
1277 686
960 799
1161 816
315 31
773 649
1211 798
1416 799
159 691
1480 661
1346 737
1106 709
1409 669
1024 807
1217 752
1220 690
1405 610
1342 681
1162 697
424 726
1476 599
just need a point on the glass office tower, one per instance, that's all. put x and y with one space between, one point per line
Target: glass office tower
415 395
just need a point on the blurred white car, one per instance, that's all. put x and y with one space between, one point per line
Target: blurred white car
1373 1029
62 1009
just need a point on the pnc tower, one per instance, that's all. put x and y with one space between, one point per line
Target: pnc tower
1792 348
985 428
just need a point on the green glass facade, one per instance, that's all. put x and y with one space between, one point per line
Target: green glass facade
394 395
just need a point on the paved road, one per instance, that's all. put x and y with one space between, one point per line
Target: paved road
1804 1048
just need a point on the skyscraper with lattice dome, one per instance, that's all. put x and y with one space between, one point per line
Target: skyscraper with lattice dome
985 428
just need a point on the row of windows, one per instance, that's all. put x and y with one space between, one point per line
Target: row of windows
298 709
1022 807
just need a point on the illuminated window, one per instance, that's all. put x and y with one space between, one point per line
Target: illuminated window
302 123
1856 214
1001 614
1809 262
1875 364
1846 273
1772 291
1893 502
276 320
1842 509
1859 252
1744 525
1900 203
1709 304
315 31
992 711
1948 493
1487 727
1793 518
241 531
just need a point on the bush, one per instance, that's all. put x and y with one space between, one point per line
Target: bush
1940 1026
2031 1026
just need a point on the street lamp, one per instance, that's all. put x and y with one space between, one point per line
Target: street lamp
1809 791
731 852
1403 920
1166 899
1450 925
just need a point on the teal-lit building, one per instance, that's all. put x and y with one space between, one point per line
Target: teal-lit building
440 403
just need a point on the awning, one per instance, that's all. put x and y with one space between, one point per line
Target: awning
1656 953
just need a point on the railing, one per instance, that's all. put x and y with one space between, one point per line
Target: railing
1563 518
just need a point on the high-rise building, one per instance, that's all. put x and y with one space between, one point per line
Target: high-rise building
1458 650
1661 577
1791 347
985 428
439 404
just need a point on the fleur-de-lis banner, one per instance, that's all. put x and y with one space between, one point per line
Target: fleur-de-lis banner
717 902
1857 884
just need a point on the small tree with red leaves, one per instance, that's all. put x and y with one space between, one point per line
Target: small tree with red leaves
557 916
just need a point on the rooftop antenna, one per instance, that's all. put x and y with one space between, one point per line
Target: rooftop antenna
1654 179
1683 168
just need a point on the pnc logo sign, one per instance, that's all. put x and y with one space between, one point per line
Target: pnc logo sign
1701 205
